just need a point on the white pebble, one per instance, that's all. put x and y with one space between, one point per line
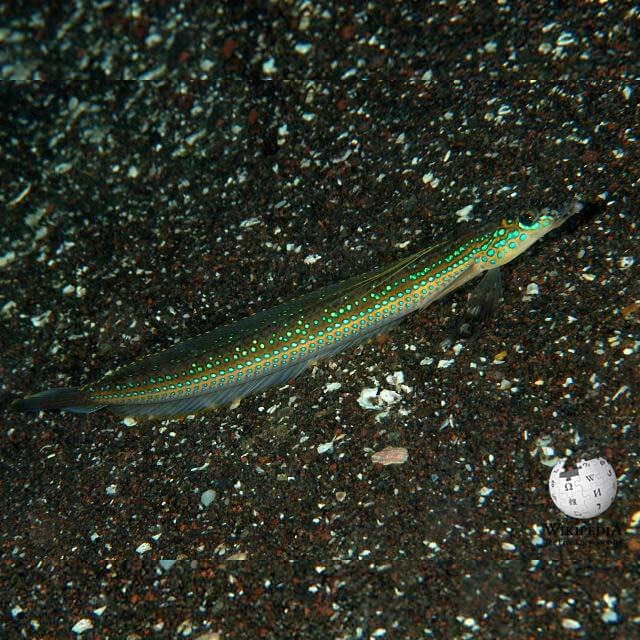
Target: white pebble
129 421
570 623
533 289
565 39
249 222
427 177
269 67
207 497
206 65
8 308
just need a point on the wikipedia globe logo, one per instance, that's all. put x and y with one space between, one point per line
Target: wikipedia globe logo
585 490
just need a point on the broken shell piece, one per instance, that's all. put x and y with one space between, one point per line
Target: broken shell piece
367 399
396 378
325 447
390 455
390 397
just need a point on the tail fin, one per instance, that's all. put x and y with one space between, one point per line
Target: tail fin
65 399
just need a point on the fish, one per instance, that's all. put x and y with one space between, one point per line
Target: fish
274 346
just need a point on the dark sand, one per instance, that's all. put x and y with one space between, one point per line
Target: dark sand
138 214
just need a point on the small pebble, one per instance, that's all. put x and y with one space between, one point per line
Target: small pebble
166 563
269 67
207 497
570 624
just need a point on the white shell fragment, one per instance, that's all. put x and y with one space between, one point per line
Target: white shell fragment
325 447
396 378
82 625
143 548
390 455
464 214
390 397
41 320
367 398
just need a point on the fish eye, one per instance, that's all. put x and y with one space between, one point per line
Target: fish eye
528 219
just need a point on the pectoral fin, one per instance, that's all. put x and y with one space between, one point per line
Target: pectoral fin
480 306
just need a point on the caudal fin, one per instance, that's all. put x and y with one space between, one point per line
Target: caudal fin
65 399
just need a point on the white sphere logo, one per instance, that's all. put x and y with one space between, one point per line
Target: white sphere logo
584 491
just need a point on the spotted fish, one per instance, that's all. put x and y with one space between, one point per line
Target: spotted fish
276 345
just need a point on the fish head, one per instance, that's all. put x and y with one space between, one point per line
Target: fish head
513 236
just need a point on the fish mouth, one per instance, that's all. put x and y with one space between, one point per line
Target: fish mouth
570 209
557 217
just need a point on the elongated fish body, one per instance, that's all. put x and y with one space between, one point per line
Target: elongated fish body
276 345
